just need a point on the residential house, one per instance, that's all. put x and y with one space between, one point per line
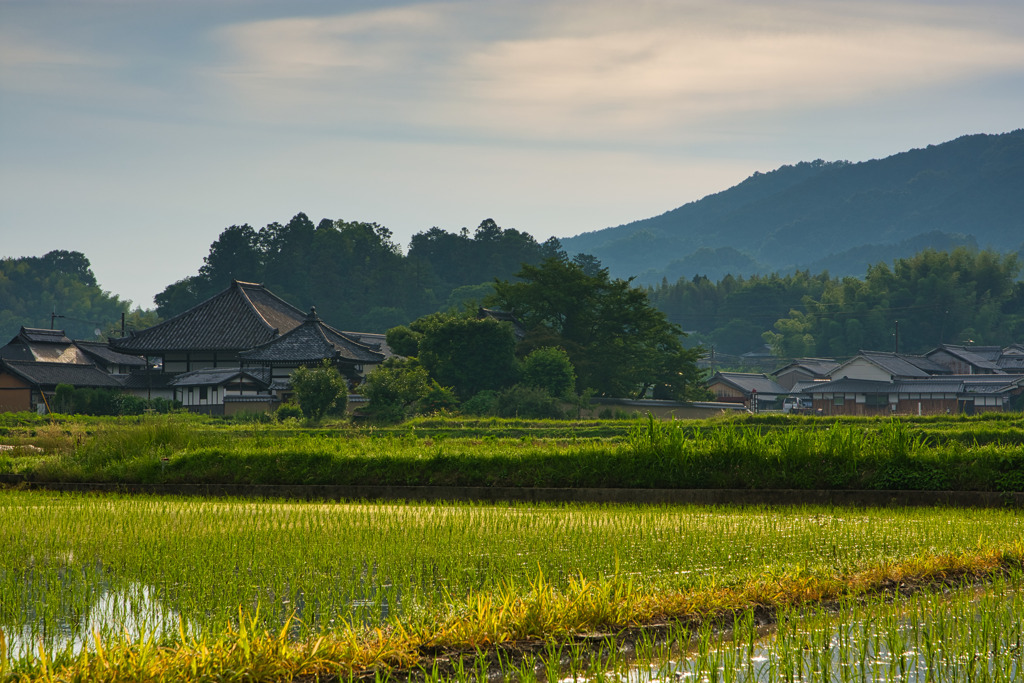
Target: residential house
236 350
36 360
881 383
756 391
224 390
968 360
804 370
310 344
213 333
30 385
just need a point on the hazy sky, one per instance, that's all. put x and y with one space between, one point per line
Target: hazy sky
135 131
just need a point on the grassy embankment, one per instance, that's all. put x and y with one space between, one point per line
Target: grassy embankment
760 452
244 590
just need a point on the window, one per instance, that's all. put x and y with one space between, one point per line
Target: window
839 400
203 395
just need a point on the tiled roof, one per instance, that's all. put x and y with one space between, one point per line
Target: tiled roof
36 334
242 316
979 357
49 375
850 386
904 366
154 379
992 384
749 381
1011 363
312 341
46 346
819 367
938 385
948 384
375 340
219 376
103 352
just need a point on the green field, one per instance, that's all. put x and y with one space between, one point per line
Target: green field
108 587
387 583
759 452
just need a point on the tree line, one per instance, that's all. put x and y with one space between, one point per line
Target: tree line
360 279
355 273
963 296
60 289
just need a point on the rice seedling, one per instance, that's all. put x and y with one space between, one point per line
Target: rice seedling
377 585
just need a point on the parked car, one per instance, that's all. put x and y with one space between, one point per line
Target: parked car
797 405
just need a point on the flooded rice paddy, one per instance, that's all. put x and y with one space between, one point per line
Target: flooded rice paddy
72 566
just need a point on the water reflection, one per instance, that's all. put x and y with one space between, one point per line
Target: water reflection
135 610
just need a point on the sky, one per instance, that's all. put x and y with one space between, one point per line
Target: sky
135 131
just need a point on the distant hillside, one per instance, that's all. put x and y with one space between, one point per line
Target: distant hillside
836 215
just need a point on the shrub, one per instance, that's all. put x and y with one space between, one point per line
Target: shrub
549 368
395 388
288 411
529 402
438 399
320 390
483 403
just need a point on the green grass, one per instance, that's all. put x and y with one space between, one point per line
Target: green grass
977 454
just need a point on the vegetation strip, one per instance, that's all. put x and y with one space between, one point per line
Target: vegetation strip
949 454
485 622
547 495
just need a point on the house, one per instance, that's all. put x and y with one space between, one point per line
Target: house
36 360
236 351
887 367
309 344
968 360
30 385
1011 359
804 370
43 346
213 333
881 383
754 390
225 391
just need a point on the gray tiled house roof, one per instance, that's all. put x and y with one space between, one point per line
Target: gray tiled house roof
241 317
102 352
48 375
748 382
42 345
219 376
901 365
311 342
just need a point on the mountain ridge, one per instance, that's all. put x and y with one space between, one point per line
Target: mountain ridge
968 191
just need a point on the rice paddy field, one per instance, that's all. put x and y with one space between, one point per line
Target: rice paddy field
102 587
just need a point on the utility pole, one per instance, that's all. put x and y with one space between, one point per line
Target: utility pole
54 316
897 343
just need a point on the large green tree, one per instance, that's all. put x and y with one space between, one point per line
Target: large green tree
618 342
59 283
468 354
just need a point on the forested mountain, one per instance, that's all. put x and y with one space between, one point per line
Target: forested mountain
838 216
60 284
354 273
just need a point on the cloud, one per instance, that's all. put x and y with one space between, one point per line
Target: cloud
592 70
37 64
